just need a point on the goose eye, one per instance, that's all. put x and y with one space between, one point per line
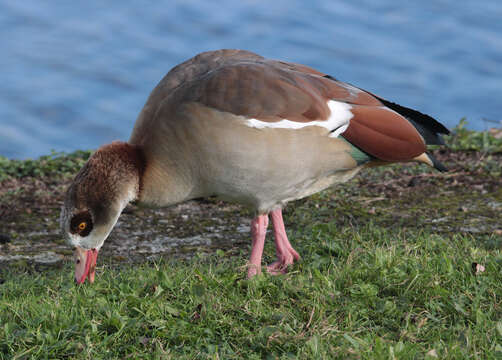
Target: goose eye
81 223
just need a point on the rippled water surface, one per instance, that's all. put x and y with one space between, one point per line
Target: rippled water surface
74 75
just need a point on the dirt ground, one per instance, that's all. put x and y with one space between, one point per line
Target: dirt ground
467 199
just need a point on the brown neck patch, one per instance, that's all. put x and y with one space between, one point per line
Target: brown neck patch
103 177
131 155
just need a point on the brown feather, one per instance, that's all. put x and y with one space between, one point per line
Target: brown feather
243 83
384 134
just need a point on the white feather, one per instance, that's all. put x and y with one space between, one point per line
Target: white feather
337 122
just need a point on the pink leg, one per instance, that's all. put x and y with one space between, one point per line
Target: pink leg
286 255
258 233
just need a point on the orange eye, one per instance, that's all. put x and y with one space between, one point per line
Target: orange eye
82 226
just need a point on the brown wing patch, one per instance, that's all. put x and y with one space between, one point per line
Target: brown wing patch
384 134
329 86
243 83
271 91
297 67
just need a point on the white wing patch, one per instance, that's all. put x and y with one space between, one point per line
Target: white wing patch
336 124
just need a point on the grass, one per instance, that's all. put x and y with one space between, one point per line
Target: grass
380 278
465 139
55 165
358 293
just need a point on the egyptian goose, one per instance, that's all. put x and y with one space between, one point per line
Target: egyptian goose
235 125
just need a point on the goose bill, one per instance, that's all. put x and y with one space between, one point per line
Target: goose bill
85 264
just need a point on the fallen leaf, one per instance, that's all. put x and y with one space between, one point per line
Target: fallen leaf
477 268
196 313
422 322
432 353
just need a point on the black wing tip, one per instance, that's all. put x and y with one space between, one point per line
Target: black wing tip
437 164
425 120
330 77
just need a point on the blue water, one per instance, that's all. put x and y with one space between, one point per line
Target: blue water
74 75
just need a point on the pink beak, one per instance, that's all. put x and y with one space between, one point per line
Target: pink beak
85 264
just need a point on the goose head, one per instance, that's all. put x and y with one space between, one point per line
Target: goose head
94 200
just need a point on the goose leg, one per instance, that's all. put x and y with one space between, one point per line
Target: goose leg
258 233
286 255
